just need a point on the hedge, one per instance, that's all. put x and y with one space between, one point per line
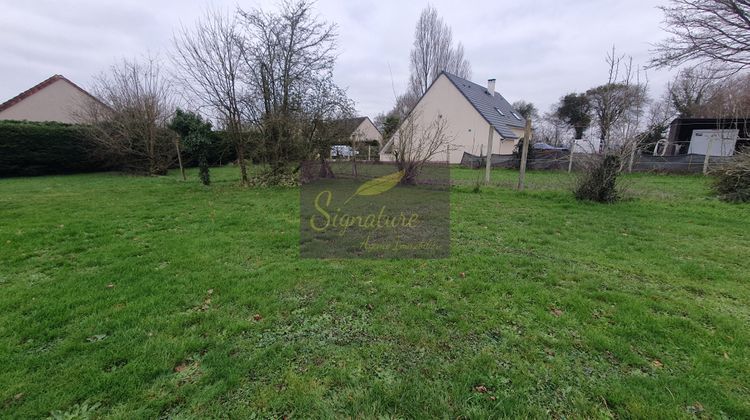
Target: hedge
42 148
30 148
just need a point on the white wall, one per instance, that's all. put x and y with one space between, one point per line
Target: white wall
713 142
466 127
366 131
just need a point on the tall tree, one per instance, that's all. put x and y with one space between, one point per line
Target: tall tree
212 69
434 52
575 110
289 53
715 31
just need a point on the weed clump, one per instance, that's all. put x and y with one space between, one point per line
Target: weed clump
732 182
598 180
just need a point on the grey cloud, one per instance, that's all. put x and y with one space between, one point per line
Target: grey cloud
538 50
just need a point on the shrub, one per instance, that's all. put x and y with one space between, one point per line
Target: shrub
598 179
732 182
219 151
195 134
41 148
130 147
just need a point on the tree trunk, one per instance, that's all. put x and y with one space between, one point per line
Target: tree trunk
244 180
325 168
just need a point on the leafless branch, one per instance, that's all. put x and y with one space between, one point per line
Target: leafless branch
705 31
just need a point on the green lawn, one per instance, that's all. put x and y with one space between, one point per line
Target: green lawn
156 297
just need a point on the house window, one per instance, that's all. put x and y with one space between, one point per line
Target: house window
517 117
500 112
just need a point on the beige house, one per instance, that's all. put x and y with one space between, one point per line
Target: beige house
361 134
55 99
363 131
470 112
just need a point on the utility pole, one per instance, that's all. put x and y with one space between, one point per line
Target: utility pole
524 154
488 164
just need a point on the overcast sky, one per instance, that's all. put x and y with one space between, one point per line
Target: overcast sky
537 50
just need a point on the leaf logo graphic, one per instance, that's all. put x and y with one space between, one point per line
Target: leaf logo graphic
378 185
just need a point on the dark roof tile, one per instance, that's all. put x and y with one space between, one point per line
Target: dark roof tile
488 105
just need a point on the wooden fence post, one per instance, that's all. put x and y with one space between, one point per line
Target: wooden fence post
179 158
706 159
570 161
488 164
524 154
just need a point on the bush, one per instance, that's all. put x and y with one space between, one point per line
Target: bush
598 179
42 148
219 152
195 135
732 182
132 146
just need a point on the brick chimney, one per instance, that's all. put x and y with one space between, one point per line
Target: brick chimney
491 87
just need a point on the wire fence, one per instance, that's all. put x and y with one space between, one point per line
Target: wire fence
561 160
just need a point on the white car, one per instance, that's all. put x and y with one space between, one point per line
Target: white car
342 151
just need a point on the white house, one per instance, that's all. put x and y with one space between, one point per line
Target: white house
55 99
471 114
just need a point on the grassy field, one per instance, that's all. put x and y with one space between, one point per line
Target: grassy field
131 297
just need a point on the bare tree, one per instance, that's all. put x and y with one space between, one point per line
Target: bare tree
212 68
288 53
656 119
405 103
706 31
433 52
730 98
415 144
691 89
623 96
130 122
618 107
551 129
325 122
